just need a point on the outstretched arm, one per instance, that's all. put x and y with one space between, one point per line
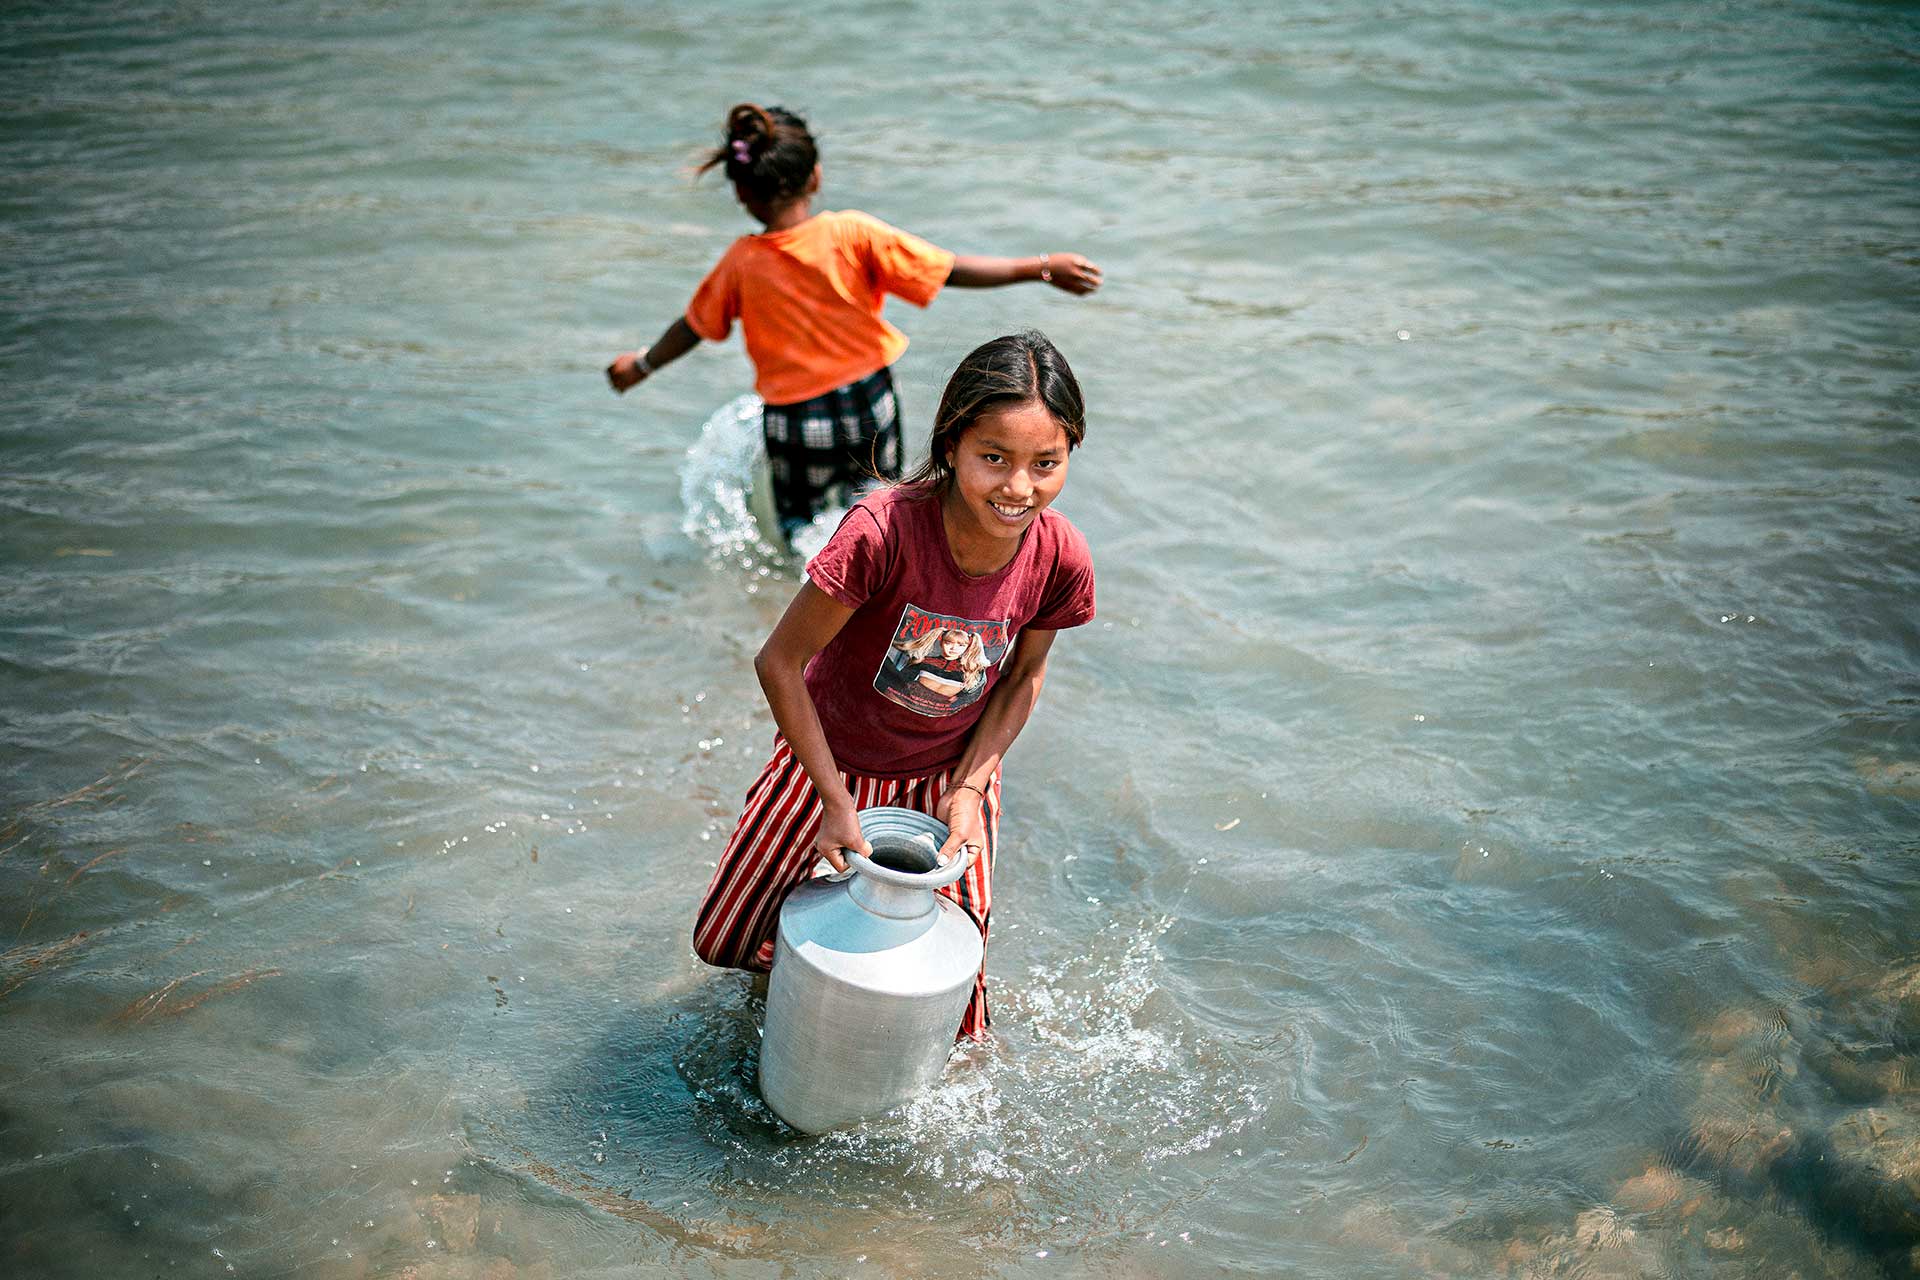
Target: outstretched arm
811 620
1066 271
1008 707
627 369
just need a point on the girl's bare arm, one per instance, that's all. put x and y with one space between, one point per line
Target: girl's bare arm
1008 707
812 619
1069 271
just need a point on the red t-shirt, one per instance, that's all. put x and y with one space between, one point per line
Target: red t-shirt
900 687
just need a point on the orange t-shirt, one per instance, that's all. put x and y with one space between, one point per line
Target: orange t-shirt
808 299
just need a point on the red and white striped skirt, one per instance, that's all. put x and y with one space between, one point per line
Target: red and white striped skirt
771 851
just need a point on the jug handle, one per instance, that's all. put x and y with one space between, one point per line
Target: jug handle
938 878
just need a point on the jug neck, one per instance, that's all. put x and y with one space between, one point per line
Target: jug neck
894 901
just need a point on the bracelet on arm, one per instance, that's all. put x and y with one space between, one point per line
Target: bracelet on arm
1046 268
641 364
967 786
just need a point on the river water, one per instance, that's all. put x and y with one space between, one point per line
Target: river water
1479 836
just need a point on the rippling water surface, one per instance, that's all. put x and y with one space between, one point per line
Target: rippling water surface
1480 835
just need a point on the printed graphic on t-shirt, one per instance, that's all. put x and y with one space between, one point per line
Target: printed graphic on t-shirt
938 664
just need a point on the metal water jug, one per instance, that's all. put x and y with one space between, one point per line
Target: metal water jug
872 971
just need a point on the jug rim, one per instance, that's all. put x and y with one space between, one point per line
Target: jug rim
892 820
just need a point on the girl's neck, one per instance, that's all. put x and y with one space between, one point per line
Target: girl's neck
789 215
974 555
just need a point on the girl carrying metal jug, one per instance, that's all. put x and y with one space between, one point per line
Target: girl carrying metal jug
967 544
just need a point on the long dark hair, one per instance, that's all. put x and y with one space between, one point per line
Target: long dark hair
1020 368
768 153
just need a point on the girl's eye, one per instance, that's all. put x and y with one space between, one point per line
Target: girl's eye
1047 464
994 458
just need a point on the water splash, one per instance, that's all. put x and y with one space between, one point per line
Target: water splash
726 502
809 538
1140 1081
1091 1038
723 488
1097 1077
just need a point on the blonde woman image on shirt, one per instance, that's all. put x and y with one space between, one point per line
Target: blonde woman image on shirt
947 661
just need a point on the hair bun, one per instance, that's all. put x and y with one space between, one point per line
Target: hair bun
766 152
750 123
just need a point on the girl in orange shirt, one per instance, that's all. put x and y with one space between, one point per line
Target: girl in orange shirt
807 292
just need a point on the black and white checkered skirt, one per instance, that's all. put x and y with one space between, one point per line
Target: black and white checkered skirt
824 450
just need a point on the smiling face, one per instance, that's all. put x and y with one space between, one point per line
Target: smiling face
1007 467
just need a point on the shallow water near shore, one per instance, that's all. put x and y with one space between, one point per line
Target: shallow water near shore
1480 834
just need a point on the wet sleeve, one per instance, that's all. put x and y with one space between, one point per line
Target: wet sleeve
716 303
901 263
852 567
1068 598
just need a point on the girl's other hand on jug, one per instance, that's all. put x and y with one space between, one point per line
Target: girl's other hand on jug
966 826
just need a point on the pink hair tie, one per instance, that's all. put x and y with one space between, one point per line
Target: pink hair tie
742 152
